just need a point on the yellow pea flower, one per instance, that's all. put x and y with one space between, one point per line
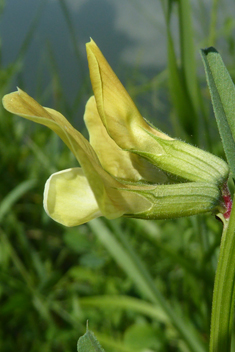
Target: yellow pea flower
131 132
129 168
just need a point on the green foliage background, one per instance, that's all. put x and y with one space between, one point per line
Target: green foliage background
142 285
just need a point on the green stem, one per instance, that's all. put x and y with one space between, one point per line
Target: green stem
223 296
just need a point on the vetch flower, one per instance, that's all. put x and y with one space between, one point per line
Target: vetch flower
131 132
128 168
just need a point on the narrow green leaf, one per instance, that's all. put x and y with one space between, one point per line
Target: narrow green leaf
223 99
89 343
181 97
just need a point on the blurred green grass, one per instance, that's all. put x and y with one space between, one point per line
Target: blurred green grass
53 279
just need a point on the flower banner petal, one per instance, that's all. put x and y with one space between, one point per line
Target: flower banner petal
116 108
68 198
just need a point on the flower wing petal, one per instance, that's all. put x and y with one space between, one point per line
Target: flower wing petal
68 198
118 162
20 103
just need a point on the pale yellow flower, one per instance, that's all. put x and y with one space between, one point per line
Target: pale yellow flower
131 132
129 168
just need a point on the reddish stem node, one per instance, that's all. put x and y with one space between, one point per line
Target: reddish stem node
227 201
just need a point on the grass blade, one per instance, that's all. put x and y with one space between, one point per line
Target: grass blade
14 196
188 51
213 22
180 94
128 260
127 303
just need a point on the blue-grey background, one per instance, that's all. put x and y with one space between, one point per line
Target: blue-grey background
126 31
130 33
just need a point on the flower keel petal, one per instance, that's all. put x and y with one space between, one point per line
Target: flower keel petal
68 198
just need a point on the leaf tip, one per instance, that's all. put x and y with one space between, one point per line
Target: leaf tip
209 50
